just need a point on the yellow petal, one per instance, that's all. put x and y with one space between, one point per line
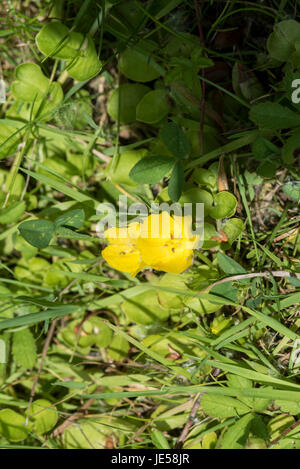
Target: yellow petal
166 257
123 258
123 235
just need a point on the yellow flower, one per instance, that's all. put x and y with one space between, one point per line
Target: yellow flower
162 242
122 253
166 242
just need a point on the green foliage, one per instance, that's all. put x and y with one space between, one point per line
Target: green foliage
38 233
123 102
32 86
160 102
24 348
137 64
12 425
44 416
152 169
55 40
153 107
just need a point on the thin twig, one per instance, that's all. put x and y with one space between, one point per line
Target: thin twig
189 423
276 273
98 153
74 416
284 433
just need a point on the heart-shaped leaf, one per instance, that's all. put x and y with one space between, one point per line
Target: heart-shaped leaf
127 96
38 233
31 85
137 64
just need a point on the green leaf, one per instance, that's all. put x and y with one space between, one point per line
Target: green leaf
274 116
278 424
12 425
24 348
86 434
153 107
223 406
292 189
236 436
224 206
176 182
267 169
72 218
38 233
127 96
292 408
86 65
34 318
31 85
13 212
291 148
119 171
62 232
152 169
145 309
281 43
228 265
10 136
226 290
118 348
197 195
70 384
44 416
233 228
137 64
159 440
175 140
55 40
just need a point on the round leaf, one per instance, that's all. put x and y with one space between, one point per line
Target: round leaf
137 64
224 205
119 173
12 425
153 107
54 40
44 416
281 43
129 96
144 309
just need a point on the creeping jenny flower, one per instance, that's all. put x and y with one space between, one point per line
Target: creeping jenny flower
122 253
162 242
